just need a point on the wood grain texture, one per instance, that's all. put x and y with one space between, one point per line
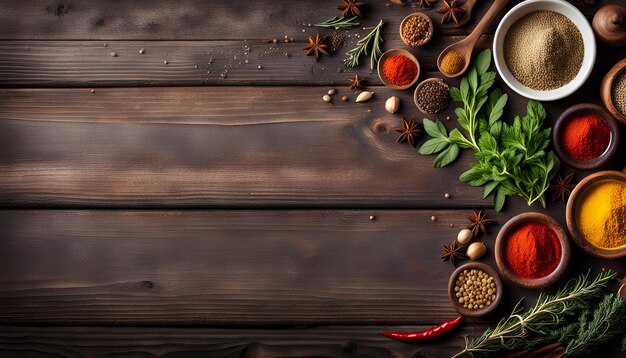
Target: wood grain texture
191 19
213 147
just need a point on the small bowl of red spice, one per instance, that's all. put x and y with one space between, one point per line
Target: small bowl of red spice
586 136
532 250
398 69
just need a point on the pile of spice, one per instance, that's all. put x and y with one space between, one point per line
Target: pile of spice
544 50
586 137
399 70
618 92
475 289
533 251
416 30
601 214
433 96
452 62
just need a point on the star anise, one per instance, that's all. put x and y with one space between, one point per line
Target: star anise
451 10
316 45
562 187
478 222
356 83
454 251
350 8
409 131
424 3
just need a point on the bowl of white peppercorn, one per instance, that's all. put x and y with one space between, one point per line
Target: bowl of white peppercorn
544 49
475 289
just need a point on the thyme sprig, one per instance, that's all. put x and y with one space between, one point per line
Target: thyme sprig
338 22
369 44
514 332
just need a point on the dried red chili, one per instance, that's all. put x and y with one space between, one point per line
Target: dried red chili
426 335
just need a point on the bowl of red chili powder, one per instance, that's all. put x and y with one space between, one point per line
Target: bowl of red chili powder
398 69
532 250
586 136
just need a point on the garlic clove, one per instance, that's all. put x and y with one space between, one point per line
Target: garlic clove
364 96
392 104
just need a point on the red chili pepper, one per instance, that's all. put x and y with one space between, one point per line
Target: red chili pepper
426 335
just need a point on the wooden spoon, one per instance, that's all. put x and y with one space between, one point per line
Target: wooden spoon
468 6
466 46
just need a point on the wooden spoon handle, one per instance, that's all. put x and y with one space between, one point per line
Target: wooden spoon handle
497 6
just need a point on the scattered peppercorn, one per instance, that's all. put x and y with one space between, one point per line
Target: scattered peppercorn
165 62
433 96
344 98
433 218
475 289
113 54
142 51
446 195
92 91
372 217
336 41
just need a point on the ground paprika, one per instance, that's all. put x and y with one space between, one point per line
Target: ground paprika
399 70
585 137
533 251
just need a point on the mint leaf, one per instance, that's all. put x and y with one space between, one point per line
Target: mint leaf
447 156
434 145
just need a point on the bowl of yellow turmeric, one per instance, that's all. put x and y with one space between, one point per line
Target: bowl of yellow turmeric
596 214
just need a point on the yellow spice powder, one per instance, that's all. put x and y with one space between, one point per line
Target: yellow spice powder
601 215
452 62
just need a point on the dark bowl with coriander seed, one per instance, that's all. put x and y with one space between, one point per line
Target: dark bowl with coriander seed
492 282
563 148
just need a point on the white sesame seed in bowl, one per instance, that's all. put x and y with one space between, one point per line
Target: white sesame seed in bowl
544 49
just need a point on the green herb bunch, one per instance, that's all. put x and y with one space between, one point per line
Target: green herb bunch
512 159
369 44
539 324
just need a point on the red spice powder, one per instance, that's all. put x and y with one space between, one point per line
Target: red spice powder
586 137
533 251
399 70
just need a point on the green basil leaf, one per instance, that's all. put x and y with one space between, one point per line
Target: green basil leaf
483 61
489 187
473 80
498 200
432 146
498 109
435 128
464 88
455 94
447 156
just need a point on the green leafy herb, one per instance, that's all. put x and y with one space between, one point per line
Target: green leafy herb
512 159
598 326
338 22
517 330
369 44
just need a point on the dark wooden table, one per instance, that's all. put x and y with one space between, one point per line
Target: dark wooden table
153 209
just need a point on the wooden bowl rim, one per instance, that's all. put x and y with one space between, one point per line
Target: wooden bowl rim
513 224
397 51
578 109
606 88
570 216
491 272
430 25
419 87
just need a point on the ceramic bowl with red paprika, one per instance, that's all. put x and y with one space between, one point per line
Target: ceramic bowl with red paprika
532 250
586 136
398 69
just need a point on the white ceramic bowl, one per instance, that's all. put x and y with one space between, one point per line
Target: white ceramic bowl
577 18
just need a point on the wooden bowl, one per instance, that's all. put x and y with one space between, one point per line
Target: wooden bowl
510 227
481 312
419 88
393 52
581 110
572 205
430 26
607 85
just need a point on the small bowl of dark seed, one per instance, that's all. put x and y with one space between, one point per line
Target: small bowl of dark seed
432 96
475 289
416 29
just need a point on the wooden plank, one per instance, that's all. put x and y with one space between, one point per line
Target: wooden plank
340 342
214 147
224 267
89 63
191 19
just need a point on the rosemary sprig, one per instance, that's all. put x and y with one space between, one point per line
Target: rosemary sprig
550 310
607 321
338 22
362 47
